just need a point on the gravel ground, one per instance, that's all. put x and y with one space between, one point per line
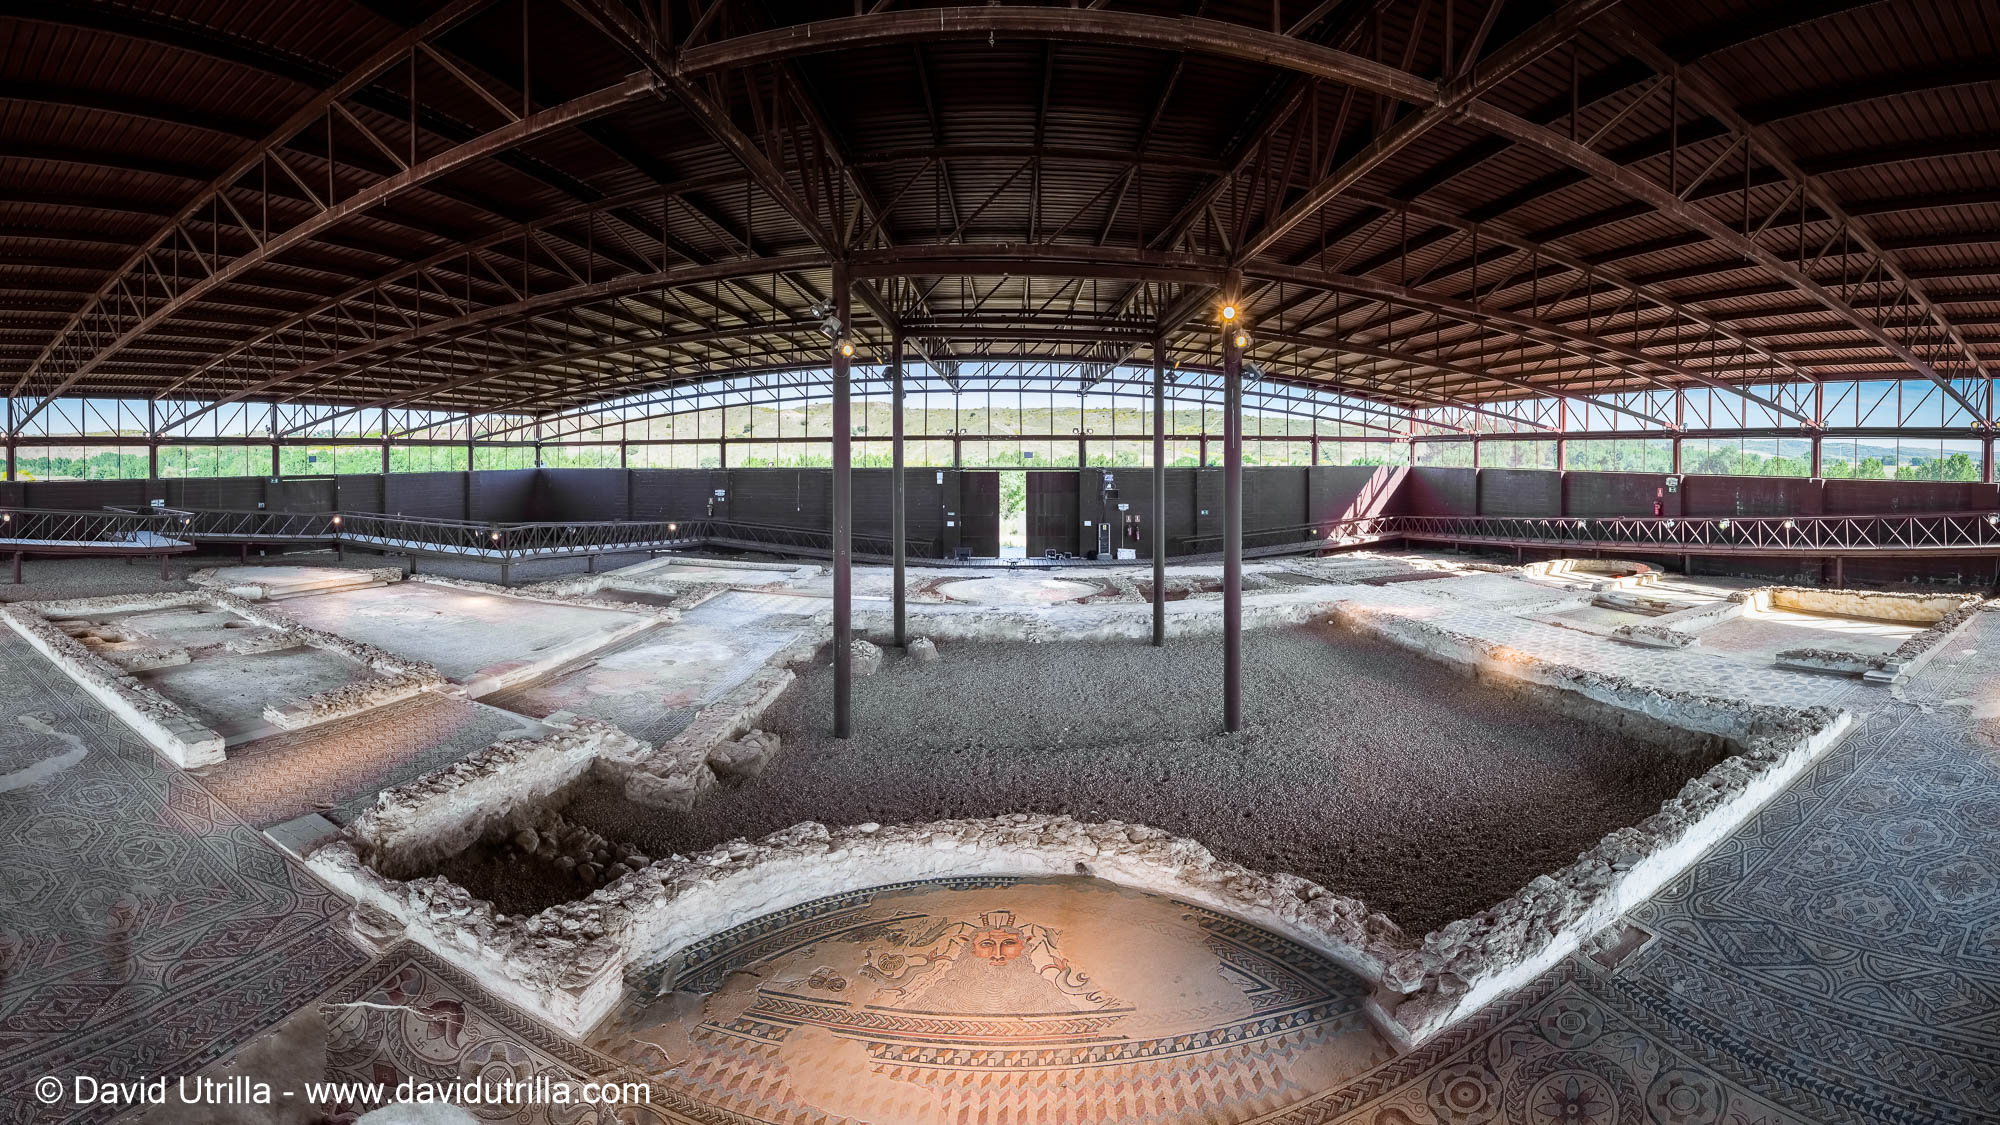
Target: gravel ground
1368 769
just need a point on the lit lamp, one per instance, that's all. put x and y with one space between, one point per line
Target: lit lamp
847 348
1229 312
336 521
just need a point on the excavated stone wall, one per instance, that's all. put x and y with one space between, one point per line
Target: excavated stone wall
178 736
550 592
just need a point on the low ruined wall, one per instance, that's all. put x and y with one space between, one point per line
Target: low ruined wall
1471 962
178 736
553 593
254 589
1683 627
1907 609
568 964
489 792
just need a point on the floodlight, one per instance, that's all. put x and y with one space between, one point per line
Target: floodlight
1242 339
847 347
1229 312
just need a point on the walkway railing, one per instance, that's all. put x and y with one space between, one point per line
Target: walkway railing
1936 533
1895 533
163 531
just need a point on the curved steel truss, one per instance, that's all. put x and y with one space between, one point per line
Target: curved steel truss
1443 208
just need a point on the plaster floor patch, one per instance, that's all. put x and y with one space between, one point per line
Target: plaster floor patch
229 691
1025 590
460 632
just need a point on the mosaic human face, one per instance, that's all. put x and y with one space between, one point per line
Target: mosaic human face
997 946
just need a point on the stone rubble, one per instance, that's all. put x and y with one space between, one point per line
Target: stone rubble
743 759
867 657
923 649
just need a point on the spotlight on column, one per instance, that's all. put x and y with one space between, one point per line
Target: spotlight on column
828 322
847 348
1229 312
1242 339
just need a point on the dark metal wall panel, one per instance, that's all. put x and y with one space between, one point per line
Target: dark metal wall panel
1440 492
313 494
1181 506
427 495
1055 513
1274 497
89 495
1338 492
1608 494
228 494
1746 496
791 497
1206 518
668 494
979 513
1869 497
1519 492
359 493
581 495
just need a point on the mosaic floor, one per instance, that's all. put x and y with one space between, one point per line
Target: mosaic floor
337 768
1837 961
986 1001
144 928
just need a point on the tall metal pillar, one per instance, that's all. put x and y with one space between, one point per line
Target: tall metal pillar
1232 531
896 483
1159 491
843 514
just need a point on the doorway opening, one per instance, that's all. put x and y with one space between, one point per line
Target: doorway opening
1013 516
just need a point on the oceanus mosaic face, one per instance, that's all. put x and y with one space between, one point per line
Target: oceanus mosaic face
990 1000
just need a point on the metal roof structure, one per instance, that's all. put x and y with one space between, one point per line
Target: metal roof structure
534 205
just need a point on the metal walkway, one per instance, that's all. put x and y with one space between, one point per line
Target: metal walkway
166 531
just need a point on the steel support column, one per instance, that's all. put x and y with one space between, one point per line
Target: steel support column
1232 532
896 485
1159 521
843 514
